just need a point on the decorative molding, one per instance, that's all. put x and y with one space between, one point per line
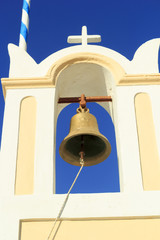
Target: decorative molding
106 62
49 81
15 83
140 79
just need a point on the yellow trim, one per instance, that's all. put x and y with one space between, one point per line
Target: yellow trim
150 162
15 83
125 229
140 79
94 58
24 182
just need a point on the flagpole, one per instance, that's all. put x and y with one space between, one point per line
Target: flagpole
24 25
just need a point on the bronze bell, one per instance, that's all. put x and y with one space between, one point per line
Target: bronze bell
84 132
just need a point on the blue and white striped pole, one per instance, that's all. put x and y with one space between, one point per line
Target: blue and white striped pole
24 25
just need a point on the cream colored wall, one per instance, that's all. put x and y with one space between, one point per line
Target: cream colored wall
123 229
149 156
24 182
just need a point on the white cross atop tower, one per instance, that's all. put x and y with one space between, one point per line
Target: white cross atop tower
84 38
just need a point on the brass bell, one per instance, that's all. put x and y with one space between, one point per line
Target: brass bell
84 132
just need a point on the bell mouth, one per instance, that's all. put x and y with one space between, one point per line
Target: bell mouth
96 148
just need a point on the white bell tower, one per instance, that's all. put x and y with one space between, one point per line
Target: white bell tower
28 203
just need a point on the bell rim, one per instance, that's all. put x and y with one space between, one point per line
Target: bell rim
87 163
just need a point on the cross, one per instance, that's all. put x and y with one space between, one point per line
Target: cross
84 38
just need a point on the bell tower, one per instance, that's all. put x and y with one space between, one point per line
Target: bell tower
29 204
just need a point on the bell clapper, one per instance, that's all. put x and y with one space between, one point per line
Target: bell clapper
81 162
82 151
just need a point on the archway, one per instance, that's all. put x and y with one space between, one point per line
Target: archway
88 73
100 178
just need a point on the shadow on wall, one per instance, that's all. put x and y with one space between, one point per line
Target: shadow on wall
1 112
100 178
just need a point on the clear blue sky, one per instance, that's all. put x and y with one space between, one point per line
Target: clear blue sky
123 26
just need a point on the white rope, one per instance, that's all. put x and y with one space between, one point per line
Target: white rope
65 201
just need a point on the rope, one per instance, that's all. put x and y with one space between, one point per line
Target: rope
66 198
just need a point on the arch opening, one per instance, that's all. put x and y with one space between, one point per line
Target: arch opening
103 177
92 79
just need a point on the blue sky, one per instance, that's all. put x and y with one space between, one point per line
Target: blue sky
123 26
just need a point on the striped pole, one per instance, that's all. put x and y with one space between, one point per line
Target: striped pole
24 25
